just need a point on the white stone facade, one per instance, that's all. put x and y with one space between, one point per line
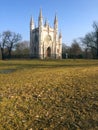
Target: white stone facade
44 40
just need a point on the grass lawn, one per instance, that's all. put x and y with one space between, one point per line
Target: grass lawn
49 95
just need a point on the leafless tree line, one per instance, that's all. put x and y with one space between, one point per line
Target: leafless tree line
11 44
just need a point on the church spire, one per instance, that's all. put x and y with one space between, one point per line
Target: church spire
40 21
40 14
31 23
55 19
55 23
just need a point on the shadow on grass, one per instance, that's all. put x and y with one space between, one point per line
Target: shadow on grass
44 64
7 71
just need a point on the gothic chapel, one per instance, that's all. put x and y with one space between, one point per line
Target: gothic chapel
45 42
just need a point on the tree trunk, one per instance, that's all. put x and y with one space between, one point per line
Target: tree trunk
97 44
9 55
10 50
2 53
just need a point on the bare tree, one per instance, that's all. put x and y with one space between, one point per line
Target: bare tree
95 26
75 49
8 41
2 44
91 41
22 48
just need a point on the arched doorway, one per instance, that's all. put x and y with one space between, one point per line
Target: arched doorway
48 52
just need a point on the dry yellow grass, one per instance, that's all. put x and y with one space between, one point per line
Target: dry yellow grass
49 95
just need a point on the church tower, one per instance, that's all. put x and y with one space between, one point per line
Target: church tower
60 45
55 35
40 25
31 29
56 27
44 39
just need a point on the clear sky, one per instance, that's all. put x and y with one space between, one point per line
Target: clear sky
75 17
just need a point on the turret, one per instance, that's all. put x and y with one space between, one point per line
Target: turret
40 24
60 45
46 23
31 28
60 35
60 38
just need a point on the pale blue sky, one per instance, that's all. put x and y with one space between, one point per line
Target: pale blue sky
75 17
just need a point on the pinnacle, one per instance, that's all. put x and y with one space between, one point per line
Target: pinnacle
40 14
55 20
31 21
